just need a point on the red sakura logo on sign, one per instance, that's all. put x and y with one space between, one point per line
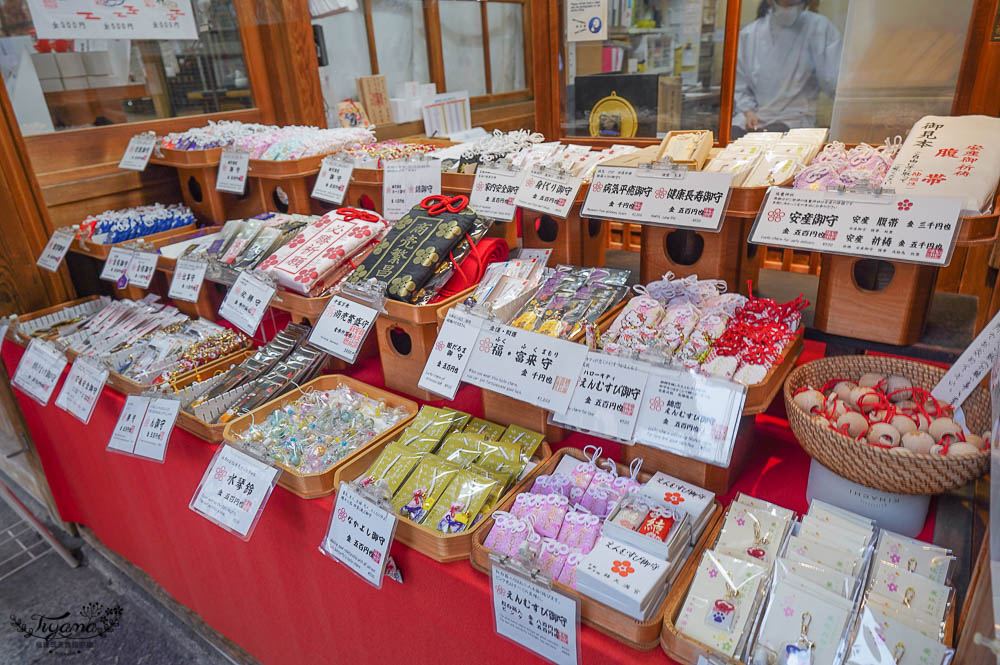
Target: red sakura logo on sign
660 193
637 206
485 345
830 235
904 205
220 473
719 432
628 408
934 252
596 187
656 404
342 514
479 186
439 346
776 215
708 212
530 182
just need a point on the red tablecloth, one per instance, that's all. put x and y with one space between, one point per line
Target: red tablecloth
277 596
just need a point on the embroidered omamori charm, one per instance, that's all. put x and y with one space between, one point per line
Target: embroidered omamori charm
800 651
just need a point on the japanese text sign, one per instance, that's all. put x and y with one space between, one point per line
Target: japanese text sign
55 250
116 264
234 490
144 427
39 370
494 191
971 367
246 302
137 153
232 173
82 388
406 183
450 354
343 328
189 275
607 397
548 193
360 535
333 180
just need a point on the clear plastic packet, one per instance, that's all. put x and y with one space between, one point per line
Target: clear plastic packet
880 640
931 561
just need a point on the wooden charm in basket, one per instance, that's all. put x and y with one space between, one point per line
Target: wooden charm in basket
872 420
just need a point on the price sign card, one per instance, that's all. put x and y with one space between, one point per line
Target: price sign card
82 388
533 368
232 174
137 154
607 397
690 415
141 269
55 250
914 229
234 491
359 535
494 191
116 264
450 354
552 194
144 426
343 328
246 302
189 274
971 367
541 619
332 181
685 199
407 182
39 370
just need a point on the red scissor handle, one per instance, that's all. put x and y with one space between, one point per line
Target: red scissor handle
438 203
350 214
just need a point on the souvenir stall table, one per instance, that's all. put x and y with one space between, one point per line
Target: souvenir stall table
255 592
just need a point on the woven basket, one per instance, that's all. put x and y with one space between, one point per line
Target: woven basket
877 467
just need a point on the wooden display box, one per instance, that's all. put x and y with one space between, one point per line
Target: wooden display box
127 386
700 156
574 241
209 299
37 314
285 186
176 158
690 252
323 483
893 315
641 635
100 251
406 334
208 432
438 546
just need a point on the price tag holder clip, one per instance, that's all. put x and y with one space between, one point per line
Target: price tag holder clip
370 292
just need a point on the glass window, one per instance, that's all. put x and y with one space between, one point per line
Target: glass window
57 84
659 70
401 42
347 54
506 21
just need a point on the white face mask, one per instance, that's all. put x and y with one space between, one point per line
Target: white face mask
784 17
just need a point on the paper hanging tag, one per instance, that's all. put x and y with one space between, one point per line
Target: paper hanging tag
333 179
232 174
494 191
137 153
407 182
55 250
690 415
450 354
82 389
648 195
39 370
530 612
234 490
246 302
189 275
360 534
910 229
343 328
548 191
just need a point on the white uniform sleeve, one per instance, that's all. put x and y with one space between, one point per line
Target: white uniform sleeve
743 97
824 50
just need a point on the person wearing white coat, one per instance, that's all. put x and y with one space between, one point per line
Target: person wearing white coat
786 57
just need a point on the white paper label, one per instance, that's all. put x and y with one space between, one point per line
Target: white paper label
232 174
55 250
82 389
586 20
85 19
915 229
156 427
408 182
39 370
126 430
189 274
141 269
333 180
246 302
690 415
970 368
533 368
234 491
137 154
494 191
548 194
683 199
116 264
545 621
607 396
360 535
343 328
450 354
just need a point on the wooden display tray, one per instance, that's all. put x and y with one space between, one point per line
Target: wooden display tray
100 251
441 547
302 308
323 483
760 395
127 386
37 314
641 635
187 158
208 432
688 651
